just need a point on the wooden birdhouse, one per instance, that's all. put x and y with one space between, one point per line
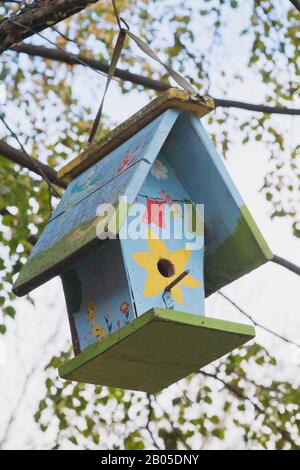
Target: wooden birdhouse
135 298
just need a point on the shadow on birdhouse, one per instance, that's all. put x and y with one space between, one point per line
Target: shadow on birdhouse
134 288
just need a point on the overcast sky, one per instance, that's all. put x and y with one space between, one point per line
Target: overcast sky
271 293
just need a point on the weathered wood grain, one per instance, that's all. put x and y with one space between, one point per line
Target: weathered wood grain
234 245
171 99
72 227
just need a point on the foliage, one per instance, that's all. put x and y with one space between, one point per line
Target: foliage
188 417
44 103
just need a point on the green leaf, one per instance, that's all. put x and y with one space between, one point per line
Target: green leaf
219 433
10 311
4 190
73 440
214 419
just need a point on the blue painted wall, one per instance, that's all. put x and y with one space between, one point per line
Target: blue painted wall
107 180
191 153
161 203
168 166
99 285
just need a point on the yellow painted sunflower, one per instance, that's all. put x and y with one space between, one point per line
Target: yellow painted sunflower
163 266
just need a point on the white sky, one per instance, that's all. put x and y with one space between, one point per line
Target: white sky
271 294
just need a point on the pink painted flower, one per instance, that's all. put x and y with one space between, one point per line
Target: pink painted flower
166 197
124 308
155 213
126 162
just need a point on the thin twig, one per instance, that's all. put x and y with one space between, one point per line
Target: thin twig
38 167
150 412
28 378
19 157
235 390
63 51
61 55
64 36
286 264
255 323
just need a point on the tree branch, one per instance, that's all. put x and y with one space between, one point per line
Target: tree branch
39 16
27 381
261 108
296 4
236 391
255 323
17 156
286 264
77 59
150 412
38 167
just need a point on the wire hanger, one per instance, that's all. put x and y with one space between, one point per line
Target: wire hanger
123 32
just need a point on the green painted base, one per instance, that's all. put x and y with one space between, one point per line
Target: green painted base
156 350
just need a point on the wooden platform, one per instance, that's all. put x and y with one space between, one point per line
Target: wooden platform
156 350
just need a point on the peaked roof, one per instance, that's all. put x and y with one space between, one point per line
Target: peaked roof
72 226
234 245
171 99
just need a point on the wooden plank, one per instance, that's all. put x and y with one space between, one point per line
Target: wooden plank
234 244
171 99
156 350
142 146
97 294
72 227
71 232
163 209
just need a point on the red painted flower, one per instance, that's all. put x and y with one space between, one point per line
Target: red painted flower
126 162
124 308
155 213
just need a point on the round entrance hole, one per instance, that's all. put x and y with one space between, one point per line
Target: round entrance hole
166 267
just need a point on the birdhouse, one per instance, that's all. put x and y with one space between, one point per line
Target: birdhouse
150 224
